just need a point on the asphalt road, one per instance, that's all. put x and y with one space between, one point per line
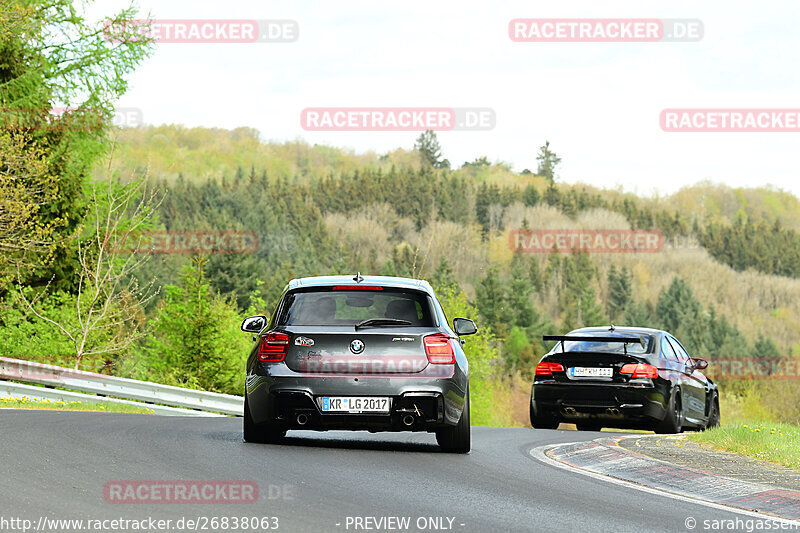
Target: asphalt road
56 464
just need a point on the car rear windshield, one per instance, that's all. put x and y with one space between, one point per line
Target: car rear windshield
606 347
331 307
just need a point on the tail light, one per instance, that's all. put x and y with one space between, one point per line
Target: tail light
639 370
439 350
273 347
546 368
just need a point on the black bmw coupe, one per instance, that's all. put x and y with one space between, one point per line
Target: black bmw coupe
635 378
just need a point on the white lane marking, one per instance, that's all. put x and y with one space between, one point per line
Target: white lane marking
539 454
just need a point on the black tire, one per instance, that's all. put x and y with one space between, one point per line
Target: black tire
673 420
714 418
261 433
589 426
542 421
458 438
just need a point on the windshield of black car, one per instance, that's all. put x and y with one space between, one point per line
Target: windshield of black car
605 347
349 307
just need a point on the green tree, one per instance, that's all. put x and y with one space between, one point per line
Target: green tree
33 340
680 313
108 297
444 278
535 275
552 195
527 322
26 187
548 161
405 259
427 144
724 338
531 196
520 304
491 301
517 351
50 55
638 315
196 341
583 310
619 291
766 347
481 352
478 162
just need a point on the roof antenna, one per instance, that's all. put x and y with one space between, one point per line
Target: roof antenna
611 328
358 278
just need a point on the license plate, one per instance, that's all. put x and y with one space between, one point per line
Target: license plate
584 372
355 404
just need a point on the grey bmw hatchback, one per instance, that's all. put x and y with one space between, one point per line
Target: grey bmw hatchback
358 353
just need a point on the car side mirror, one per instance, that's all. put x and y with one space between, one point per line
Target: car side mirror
254 324
699 364
464 326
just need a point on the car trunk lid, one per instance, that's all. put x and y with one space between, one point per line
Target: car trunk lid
591 366
347 351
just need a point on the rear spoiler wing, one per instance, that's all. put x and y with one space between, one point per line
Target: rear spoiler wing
624 340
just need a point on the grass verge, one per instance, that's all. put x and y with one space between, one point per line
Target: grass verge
776 443
30 403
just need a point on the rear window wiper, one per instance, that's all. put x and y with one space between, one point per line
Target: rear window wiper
382 322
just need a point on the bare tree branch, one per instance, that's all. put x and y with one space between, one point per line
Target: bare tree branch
108 296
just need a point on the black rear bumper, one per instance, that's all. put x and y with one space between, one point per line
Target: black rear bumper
409 412
623 405
415 404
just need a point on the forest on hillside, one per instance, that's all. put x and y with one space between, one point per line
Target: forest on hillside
448 226
80 287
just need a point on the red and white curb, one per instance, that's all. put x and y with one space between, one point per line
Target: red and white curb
605 459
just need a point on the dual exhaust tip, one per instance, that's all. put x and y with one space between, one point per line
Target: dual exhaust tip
302 419
571 411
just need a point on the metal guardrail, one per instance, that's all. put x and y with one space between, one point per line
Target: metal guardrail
111 388
19 390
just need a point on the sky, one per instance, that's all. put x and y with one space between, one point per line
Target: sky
597 103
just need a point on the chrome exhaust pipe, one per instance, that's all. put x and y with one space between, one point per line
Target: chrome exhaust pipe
302 419
613 411
408 420
570 411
